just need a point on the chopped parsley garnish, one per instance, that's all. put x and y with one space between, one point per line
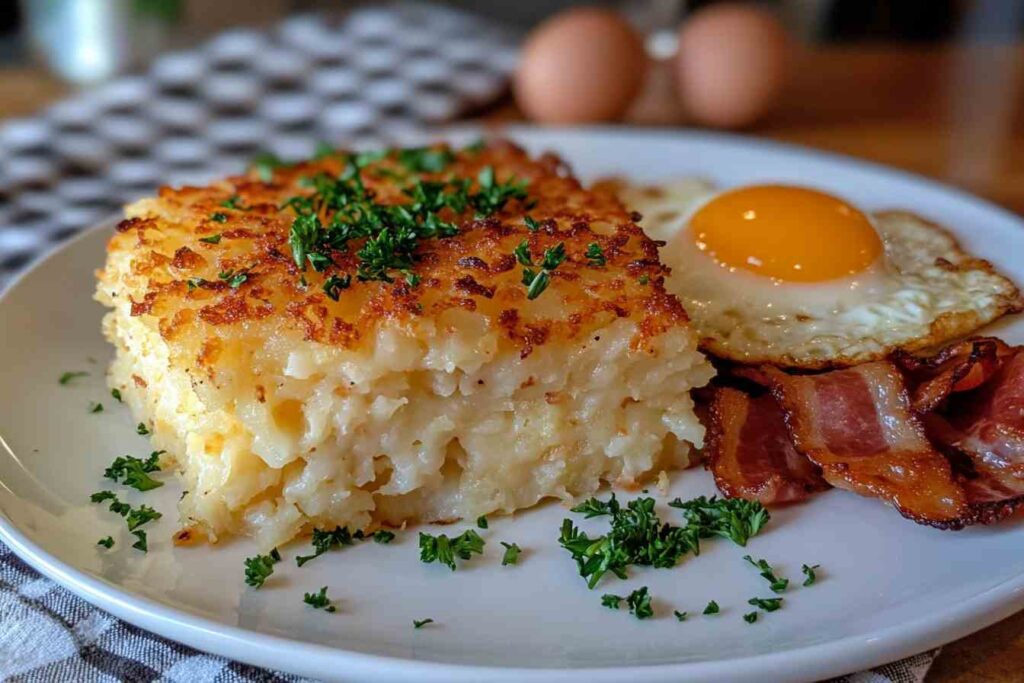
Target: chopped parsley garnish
235 279
637 536
141 429
411 278
107 542
319 600
219 217
611 601
511 555
334 284
639 602
767 604
536 281
68 377
680 616
323 150
95 407
326 540
384 252
481 522
750 617
116 506
712 608
260 567
809 573
194 282
366 158
341 210
134 472
420 623
212 239
595 508
643 279
116 393
531 224
732 518
101 496
140 516
595 254
444 550
383 536
233 202
425 159
265 164
134 518
304 238
141 543
776 584
493 195
522 253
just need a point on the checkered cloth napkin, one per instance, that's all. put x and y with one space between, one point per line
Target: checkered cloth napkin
373 76
378 73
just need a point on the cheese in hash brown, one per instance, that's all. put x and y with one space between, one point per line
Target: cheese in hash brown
412 368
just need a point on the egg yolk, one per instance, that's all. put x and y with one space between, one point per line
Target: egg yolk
789 233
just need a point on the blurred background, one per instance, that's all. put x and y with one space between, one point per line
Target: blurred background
931 86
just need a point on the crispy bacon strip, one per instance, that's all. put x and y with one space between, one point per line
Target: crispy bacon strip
958 367
750 453
983 428
856 424
943 442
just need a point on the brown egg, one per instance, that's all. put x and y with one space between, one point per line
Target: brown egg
582 65
731 64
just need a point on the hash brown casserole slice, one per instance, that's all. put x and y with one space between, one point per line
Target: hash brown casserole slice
417 335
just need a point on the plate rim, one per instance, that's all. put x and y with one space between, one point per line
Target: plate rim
808 662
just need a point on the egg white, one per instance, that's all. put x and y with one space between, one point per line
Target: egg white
922 291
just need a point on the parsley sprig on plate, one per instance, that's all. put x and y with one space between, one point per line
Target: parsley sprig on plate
324 540
134 517
319 600
259 568
639 603
776 583
444 550
810 574
67 378
383 536
511 555
733 518
637 535
134 472
767 604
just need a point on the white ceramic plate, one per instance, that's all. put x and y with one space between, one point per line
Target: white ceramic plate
888 588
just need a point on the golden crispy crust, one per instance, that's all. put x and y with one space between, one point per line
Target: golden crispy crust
946 327
474 270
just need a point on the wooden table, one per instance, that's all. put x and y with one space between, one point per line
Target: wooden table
956 115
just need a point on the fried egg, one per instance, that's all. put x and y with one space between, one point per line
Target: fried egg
800 278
